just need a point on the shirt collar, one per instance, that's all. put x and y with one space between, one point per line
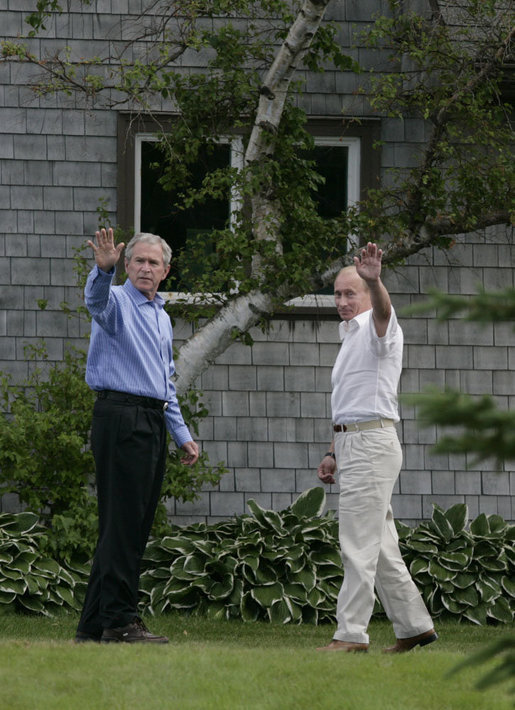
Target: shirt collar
346 327
139 298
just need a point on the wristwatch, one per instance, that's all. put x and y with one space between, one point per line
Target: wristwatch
331 454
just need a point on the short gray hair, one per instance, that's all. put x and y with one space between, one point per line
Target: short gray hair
148 238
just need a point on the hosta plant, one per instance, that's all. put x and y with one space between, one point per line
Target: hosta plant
282 567
285 567
29 580
466 572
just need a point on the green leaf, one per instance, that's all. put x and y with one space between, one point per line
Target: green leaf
48 567
13 586
250 609
464 579
329 572
223 588
268 594
493 565
195 564
19 523
476 614
500 610
419 564
266 572
457 515
488 588
155 553
454 560
497 524
440 573
452 605
508 585
441 525
32 604
468 596
480 526
305 576
177 544
295 591
280 612
328 555
424 547
66 595
267 518
216 610
310 503
7 597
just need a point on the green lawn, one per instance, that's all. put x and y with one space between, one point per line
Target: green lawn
215 665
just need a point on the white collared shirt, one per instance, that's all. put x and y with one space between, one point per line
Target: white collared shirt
367 370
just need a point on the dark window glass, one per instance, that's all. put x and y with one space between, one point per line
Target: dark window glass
331 162
160 213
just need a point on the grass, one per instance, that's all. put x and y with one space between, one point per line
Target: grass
217 665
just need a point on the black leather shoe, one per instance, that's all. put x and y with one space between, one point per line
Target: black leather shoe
135 632
83 637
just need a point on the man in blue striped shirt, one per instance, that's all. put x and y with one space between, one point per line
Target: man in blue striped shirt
130 365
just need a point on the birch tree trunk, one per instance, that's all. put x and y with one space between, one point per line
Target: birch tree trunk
243 312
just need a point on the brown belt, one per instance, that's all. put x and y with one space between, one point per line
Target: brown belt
360 426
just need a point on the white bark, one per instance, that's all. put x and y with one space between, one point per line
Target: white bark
240 314
213 338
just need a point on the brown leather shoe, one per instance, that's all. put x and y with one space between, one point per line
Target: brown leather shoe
135 632
404 645
346 646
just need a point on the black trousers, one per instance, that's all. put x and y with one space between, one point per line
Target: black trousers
129 446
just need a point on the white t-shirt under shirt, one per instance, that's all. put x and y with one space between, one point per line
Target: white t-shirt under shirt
366 373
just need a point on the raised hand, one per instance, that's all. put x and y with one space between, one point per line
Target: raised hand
105 250
368 262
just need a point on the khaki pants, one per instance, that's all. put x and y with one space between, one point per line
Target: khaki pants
369 463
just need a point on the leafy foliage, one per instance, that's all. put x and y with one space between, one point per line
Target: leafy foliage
44 453
281 567
46 460
468 573
29 580
285 567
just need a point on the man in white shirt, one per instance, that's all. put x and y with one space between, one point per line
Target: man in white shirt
367 455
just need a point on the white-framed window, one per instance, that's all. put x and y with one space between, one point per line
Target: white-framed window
337 158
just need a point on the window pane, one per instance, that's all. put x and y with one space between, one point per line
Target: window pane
160 214
332 164
159 211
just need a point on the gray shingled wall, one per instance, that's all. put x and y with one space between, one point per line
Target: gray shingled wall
270 403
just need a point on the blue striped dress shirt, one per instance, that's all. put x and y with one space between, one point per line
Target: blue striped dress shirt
131 346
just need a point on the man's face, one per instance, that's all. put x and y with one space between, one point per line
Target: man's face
146 268
350 295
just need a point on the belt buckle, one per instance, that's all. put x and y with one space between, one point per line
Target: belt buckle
165 406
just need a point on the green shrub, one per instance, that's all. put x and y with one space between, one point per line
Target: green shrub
469 573
45 458
282 567
44 453
29 580
285 567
